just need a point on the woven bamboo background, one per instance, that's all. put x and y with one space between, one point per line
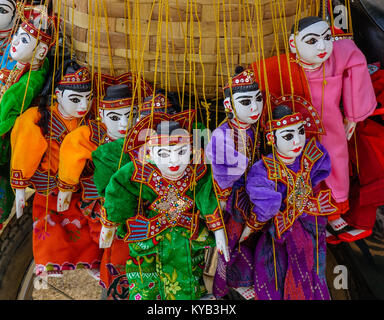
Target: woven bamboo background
190 45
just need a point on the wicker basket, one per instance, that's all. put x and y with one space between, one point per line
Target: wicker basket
116 36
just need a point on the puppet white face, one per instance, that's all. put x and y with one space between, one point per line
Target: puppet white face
7 14
118 121
73 104
172 160
247 105
23 48
290 141
313 45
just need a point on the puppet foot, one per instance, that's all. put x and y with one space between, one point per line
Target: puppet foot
354 234
94 273
337 224
208 297
247 293
331 238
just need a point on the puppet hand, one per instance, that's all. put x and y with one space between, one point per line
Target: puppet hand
349 127
221 243
106 236
223 205
20 202
63 200
246 232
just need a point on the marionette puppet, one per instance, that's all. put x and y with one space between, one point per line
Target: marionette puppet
60 241
116 114
21 86
232 150
8 17
366 154
108 158
289 257
329 74
165 208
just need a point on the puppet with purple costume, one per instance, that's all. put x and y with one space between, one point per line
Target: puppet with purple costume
289 258
232 150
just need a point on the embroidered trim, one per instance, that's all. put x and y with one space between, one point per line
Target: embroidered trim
222 194
214 221
141 228
104 221
98 132
299 189
253 223
18 181
41 183
66 187
89 190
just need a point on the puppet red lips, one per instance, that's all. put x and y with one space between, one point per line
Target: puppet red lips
13 49
297 149
174 168
255 117
322 55
122 131
81 113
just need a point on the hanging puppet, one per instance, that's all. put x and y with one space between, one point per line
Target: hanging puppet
160 201
117 112
8 17
108 159
289 258
60 241
366 153
329 74
22 84
232 150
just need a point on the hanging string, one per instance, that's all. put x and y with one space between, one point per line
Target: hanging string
56 37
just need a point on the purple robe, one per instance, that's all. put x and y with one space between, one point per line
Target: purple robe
229 167
300 275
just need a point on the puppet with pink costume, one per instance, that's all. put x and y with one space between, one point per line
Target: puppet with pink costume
333 75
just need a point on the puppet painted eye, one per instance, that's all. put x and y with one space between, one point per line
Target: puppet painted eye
182 152
311 41
259 99
163 155
24 40
245 102
75 100
328 37
288 136
301 131
3 11
114 118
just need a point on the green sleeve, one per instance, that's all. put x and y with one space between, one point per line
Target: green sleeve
106 159
121 195
205 197
11 104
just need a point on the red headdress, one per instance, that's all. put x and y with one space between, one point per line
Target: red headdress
156 103
303 110
81 77
103 81
244 78
144 132
35 20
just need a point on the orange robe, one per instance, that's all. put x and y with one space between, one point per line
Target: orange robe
61 241
75 171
